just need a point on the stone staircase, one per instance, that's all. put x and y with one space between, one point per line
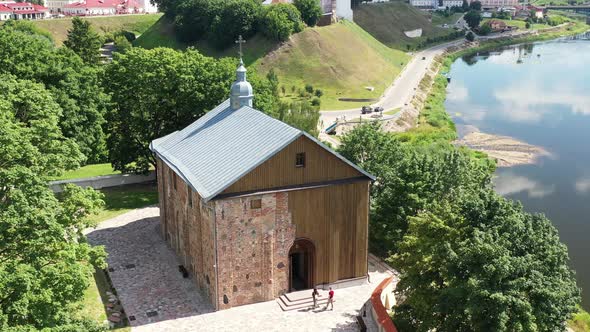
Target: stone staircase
301 300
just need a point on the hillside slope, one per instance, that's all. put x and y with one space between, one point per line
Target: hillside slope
161 34
341 60
387 22
134 23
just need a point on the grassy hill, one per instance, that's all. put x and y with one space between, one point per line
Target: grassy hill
134 23
161 34
341 60
387 22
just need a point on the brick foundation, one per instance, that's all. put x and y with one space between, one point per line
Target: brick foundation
253 249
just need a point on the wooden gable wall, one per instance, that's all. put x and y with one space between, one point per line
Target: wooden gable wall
280 170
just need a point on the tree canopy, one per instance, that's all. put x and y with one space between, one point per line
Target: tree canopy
45 262
480 263
310 10
220 22
280 21
473 18
469 259
83 41
74 86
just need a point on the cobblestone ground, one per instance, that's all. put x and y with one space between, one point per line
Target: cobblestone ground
147 279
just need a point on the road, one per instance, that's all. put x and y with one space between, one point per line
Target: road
402 90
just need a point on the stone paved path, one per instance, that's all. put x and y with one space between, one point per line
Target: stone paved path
153 283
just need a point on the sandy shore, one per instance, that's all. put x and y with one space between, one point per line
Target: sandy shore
506 150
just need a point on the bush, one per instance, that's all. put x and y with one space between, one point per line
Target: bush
220 21
280 21
238 17
485 30
309 88
319 93
310 11
122 44
130 36
316 101
470 36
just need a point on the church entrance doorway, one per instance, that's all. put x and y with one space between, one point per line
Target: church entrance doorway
301 265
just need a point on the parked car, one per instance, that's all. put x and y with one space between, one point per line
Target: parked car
378 109
366 110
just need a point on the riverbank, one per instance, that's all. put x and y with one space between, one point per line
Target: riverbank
428 129
433 123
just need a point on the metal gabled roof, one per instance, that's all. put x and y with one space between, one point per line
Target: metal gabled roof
224 145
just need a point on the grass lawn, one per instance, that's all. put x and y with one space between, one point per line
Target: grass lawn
134 23
341 59
88 171
387 21
119 200
392 112
439 19
95 298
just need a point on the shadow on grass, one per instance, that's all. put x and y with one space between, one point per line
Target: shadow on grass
119 200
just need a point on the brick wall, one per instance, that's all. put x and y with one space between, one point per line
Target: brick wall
188 226
253 248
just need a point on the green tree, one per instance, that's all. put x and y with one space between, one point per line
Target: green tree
465 6
193 18
473 18
478 262
237 17
75 86
470 36
280 21
156 92
31 136
408 179
301 115
122 44
45 262
310 10
485 29
475 5
83 41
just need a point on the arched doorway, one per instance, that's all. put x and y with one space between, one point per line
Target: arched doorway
301 265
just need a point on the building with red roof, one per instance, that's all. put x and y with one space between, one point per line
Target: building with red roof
22 11
100 7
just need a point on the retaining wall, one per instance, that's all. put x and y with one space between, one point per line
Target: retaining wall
382 296
105 181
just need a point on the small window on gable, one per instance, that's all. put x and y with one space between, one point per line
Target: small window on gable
300 159
256 204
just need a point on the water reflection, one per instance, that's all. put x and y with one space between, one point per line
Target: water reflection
510 183
582 185
544 101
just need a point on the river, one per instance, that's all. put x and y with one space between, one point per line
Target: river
540 94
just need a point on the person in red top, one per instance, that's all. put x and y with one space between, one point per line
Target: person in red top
330 299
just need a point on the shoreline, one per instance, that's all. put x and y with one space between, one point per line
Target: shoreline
433 122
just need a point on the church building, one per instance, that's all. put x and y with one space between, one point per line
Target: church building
255 208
